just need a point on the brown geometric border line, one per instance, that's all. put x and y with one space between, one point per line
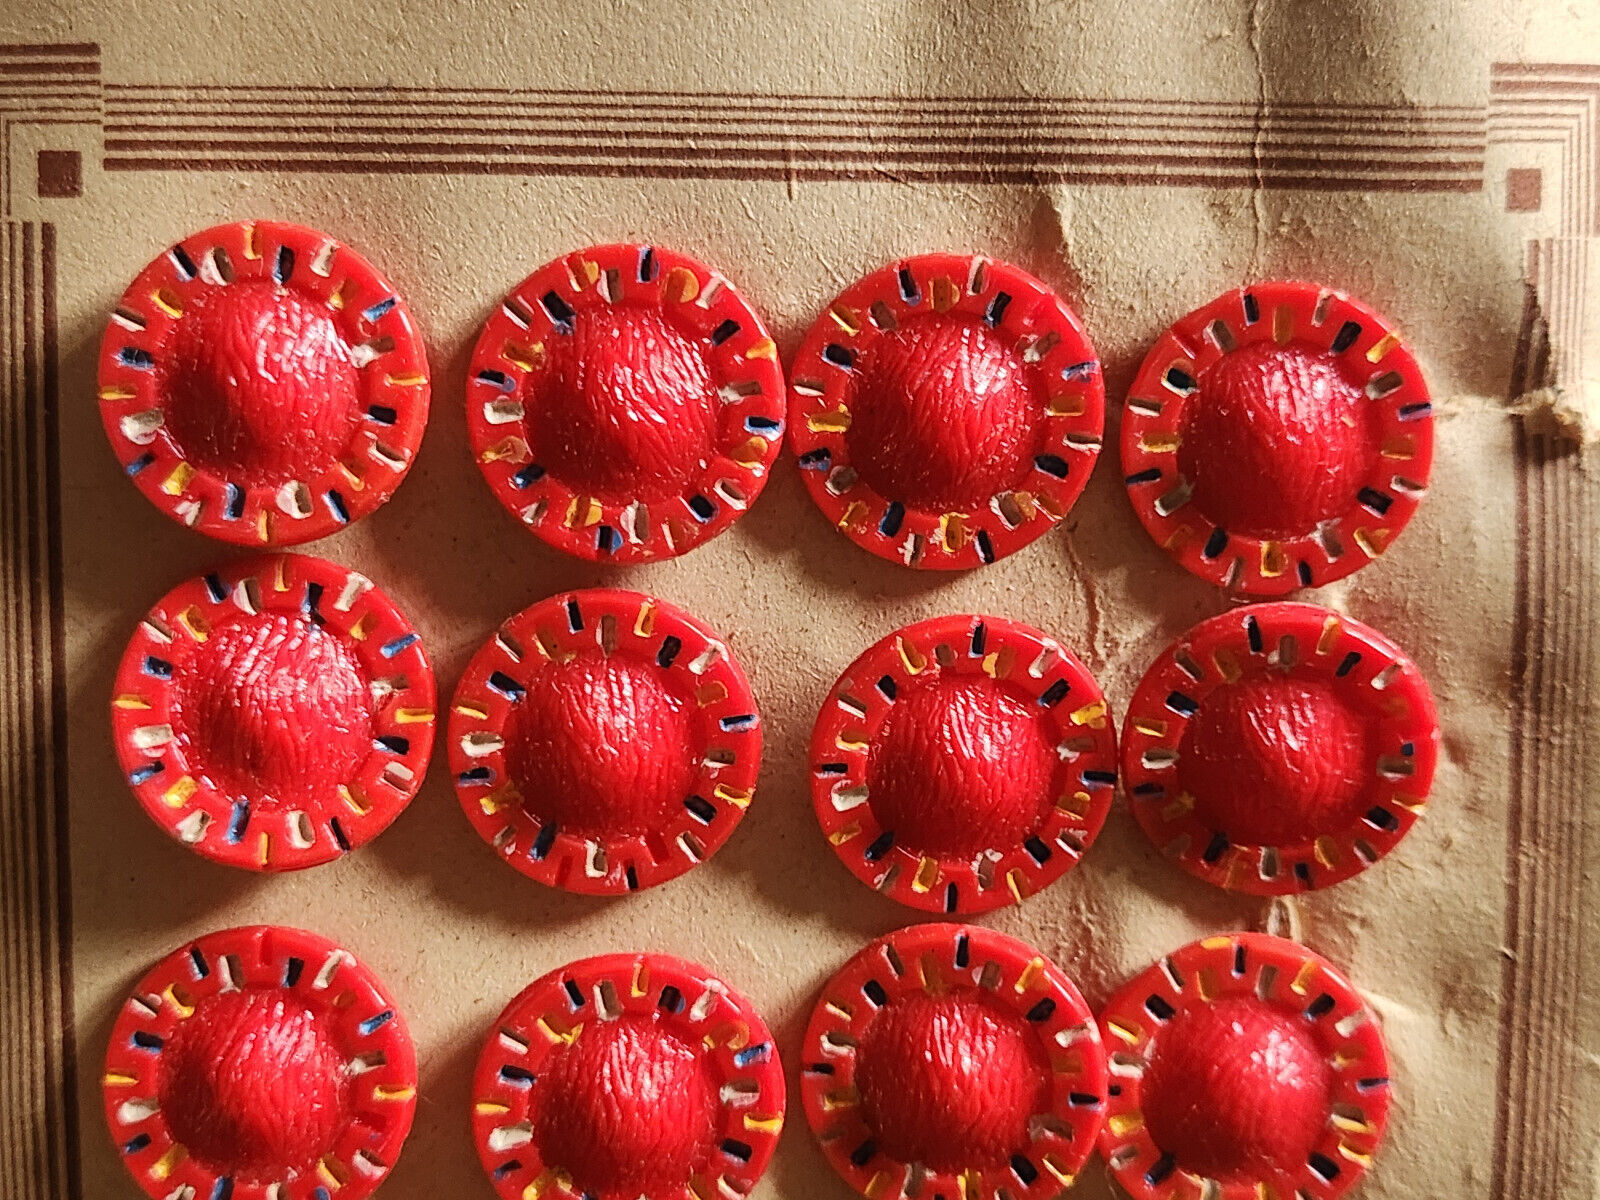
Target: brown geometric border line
1539 1141
38 1125
791 138
42 86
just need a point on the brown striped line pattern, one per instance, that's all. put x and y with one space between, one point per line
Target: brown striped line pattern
1543 1138
44 85
38 1119
789 138
1538 1135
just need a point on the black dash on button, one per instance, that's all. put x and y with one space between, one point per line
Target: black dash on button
996 311
185 264
558 310
1215 544
1374 500
1052 464
1327 1170
1042 1011
873 990
1215 848
671 999
701 809
839 356
1252 631
1160 1169
1184 706
542 843
881 845
1158 1007
507 686
1346 337
668 653
893 516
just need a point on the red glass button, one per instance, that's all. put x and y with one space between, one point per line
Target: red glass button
604 741
1242 1065
275 713
1280 437
625 403
953 1060
256 1063
963 763
946 410
1279 747
264 384
628 1075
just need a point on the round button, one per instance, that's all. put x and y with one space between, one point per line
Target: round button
604 741
1278 438
946 411
953 1060
625 403
963 763
628 1075
264 384
1279 747
1242 1065
274 713
255 1061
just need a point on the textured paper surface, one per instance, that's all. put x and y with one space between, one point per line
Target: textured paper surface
1141 158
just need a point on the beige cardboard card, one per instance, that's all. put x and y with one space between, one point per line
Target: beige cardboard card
1439 159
